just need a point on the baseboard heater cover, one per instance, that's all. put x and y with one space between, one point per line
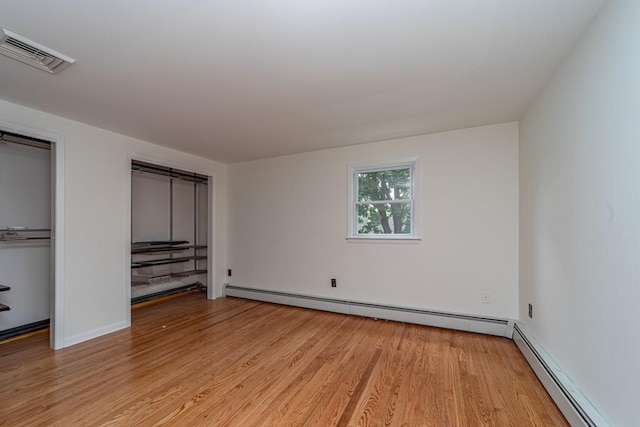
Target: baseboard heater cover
572 403
462 322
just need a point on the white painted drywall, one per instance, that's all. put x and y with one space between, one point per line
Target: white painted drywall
288 225
25 200
150 207
183 211
580 214
97 233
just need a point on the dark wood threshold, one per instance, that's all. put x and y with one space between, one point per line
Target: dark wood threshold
135 302
24 329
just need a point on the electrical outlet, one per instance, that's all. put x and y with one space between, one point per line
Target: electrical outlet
486 298
530 311
229 272
334 283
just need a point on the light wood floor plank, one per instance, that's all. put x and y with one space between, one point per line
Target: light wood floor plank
190 361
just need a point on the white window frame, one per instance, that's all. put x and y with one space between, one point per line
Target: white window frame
352 228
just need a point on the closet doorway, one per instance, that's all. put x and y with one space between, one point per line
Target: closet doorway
31 218
170 231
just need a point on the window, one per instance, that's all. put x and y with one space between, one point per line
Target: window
382 201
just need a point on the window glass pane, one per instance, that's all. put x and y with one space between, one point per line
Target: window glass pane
384 218
392 184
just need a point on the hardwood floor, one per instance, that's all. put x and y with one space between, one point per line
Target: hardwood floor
189 361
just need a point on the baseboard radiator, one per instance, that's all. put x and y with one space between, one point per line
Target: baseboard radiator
462 322
574 405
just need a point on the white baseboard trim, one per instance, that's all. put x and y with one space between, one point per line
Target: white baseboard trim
572 403
95 333
462 322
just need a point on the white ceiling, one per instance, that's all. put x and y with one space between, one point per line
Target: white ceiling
237 80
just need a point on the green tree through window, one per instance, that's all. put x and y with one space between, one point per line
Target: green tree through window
384 201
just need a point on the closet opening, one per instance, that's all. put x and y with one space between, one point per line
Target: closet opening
169 232
27 261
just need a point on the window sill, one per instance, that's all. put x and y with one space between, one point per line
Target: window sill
378 239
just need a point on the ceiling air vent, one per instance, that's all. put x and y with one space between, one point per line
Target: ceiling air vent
32 53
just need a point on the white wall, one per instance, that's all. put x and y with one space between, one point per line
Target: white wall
580 214
288 224
97 210
150 207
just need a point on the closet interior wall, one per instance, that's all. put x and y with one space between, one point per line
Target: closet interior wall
25 234
168 230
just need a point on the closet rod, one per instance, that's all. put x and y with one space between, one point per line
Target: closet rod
14 138
171 176
141 167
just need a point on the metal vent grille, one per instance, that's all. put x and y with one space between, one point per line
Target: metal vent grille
32 53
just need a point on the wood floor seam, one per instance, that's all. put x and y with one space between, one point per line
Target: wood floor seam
347 413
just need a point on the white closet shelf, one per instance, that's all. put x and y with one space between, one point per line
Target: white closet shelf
140 264
2 306
162 249
188 273
25 229
141 280
22 239
16 234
